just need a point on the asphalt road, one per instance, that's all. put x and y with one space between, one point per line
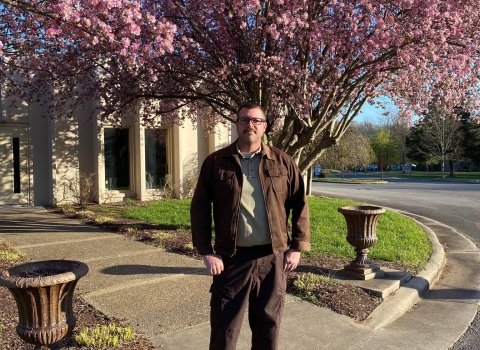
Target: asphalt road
453 204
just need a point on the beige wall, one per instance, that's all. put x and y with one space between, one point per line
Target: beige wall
187 159
12 114
9 193
13 124
57 152
54 157
66 175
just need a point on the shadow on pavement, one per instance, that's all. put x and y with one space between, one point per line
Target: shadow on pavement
153 270
36 226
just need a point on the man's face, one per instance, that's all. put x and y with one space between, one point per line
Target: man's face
250 134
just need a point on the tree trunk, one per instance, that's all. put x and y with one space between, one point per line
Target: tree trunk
450 164
308 185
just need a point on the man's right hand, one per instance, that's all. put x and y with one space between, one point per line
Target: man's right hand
213 263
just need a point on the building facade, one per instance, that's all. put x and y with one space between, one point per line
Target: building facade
54 161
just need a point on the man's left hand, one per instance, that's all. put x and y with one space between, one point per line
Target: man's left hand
291 260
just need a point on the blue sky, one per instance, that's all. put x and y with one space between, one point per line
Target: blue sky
373 113
368 112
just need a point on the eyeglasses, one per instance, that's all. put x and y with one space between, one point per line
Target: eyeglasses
255 121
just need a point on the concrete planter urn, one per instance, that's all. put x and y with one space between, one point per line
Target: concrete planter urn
43 291
361 233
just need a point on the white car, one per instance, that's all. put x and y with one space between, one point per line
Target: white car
372 167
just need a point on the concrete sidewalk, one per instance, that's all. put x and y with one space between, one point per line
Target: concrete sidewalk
166 297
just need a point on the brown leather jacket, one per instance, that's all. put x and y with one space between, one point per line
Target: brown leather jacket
220 183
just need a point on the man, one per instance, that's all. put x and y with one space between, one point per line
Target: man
253 188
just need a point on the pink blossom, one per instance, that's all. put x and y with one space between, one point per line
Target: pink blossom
308 68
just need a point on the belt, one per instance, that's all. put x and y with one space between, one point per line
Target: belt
265 249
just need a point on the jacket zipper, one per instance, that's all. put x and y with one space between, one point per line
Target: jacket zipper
235 227
260 171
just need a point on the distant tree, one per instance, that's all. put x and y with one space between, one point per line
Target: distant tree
399 132
471 137
415 151
436 135
367 128
384 146
352 151
396 124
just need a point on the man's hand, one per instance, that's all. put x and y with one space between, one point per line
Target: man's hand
291 260
213 263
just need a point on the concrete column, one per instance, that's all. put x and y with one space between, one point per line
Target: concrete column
99 163
139 161
41 134
211 143
177 156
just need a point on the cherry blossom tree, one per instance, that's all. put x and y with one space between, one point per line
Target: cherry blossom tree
312 64
80 51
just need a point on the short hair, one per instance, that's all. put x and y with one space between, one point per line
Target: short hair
250 105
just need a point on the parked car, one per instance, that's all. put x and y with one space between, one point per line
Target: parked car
409 167
372 167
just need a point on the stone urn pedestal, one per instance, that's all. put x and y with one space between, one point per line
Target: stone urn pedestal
361 233
43 291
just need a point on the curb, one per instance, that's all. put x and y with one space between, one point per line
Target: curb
411 293
355 182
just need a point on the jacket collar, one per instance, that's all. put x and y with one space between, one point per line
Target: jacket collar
231 151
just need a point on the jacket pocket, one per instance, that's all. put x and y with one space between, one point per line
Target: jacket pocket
223 182
279 178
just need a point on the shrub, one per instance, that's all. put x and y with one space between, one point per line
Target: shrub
103 219
129 202
169 188
79 189
189 184
161 235
110 335
189 247
307 282
85 214
6 255
128 228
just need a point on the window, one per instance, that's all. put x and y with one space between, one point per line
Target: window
117 159
16 165
155 157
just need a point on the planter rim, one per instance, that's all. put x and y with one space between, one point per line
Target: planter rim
74 270
361 209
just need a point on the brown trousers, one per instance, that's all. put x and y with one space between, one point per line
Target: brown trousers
254 275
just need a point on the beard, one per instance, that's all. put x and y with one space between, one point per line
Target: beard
249 136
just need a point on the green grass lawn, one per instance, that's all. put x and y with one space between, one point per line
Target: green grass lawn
173 214
436 175
339 179
334 176
399 238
